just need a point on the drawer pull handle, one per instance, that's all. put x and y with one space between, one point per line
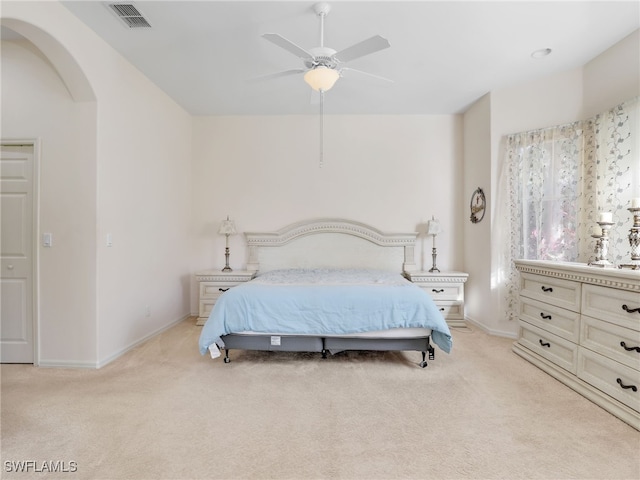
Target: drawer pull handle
630 310
442 309
437 291
547 289
628 349
632 387
545 344
546 317
223 289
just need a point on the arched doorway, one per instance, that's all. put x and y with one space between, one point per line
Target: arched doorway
26 271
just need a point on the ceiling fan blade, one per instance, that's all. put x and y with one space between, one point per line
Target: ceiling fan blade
348 69
366 47
291 47
285 73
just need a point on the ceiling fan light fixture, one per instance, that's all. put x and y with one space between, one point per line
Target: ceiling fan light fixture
321 78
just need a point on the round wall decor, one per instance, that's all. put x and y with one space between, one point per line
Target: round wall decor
478 205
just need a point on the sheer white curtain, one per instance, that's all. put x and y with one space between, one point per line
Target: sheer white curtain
611 177
537 211
553 184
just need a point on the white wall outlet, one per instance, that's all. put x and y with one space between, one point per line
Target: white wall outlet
275 341
47 239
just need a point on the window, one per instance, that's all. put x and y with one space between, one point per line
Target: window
554 184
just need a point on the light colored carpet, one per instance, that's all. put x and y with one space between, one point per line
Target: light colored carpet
164 412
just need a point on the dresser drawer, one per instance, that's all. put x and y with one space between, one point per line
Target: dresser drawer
610 340
560 321
556 291
611 304
610 377
212 284
552 347
209 294
215 289
205 308
451 310
443 291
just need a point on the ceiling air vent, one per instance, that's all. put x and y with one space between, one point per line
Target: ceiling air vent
130 15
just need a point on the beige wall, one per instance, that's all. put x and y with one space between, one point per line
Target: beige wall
477 236
37 105
392 172
130 165
612 77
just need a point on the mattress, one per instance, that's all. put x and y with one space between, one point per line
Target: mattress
325 303
390 333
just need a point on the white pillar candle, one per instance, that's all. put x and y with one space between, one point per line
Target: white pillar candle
635 202
606 217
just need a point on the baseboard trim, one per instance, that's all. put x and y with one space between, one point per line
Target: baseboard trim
131 346
490 331
112 357
65 364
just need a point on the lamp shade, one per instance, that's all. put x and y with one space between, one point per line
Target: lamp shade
227 227
433 227
321 78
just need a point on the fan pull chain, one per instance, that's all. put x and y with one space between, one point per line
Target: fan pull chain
321 160
321 129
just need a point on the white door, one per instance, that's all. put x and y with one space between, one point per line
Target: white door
16 254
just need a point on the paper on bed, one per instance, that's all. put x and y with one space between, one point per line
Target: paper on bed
324 302
214 351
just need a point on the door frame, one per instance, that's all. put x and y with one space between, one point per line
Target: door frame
35 251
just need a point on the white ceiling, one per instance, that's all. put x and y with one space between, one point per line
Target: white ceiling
444 55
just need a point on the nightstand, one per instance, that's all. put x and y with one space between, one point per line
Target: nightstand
214 283
447 290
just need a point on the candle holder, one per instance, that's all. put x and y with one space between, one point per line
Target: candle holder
598 249
634 241
602 261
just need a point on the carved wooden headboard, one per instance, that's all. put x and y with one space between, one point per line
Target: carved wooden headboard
330 243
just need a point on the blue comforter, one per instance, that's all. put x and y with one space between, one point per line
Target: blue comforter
316 308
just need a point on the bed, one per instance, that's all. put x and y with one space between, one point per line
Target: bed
327 286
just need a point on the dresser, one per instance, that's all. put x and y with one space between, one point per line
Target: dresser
447 290
581 325
214 283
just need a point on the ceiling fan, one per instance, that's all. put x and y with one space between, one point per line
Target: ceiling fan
324 65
